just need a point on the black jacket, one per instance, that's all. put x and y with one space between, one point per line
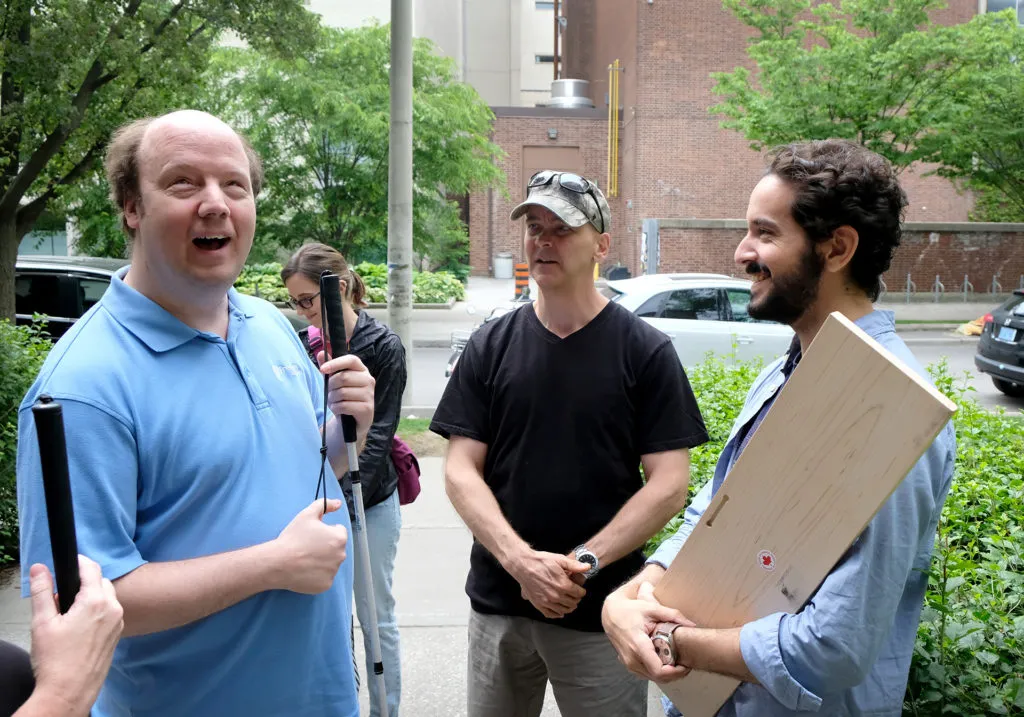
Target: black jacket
381 351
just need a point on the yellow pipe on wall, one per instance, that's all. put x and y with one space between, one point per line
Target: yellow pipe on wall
615 134
612 183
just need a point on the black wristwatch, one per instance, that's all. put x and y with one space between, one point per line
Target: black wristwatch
585 555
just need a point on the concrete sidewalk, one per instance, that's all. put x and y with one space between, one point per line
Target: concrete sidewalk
432 328
433 610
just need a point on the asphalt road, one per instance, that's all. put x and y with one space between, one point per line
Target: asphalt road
427 376
928 346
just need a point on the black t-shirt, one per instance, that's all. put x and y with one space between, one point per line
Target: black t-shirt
565 422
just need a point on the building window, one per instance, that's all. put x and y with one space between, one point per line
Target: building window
540 59
544 4
1000 5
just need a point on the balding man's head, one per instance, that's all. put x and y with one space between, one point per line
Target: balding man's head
130 142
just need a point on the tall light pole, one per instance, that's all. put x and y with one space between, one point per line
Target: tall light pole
400 184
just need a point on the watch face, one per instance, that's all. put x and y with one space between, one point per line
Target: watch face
663 650
587 558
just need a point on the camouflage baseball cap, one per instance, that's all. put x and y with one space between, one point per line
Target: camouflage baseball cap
574 199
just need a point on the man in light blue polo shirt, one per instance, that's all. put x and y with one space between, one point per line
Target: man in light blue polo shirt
822 228
193 426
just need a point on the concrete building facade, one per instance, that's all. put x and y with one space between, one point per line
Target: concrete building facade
503 48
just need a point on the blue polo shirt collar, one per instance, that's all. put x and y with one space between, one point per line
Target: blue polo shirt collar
151 323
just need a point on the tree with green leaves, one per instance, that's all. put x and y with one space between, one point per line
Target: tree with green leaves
321 122
71 71
882 73
979 136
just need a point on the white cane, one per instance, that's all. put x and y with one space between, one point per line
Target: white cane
337 345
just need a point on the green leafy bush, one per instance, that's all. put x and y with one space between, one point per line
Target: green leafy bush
264 281
22 352
969 657
376 295
427 287
373 275
436 287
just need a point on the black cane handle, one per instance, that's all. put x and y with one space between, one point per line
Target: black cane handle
60 512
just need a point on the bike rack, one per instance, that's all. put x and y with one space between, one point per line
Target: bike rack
968 287
996 287
938 288
911 287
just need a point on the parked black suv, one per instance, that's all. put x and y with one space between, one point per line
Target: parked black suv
65 287
1001 347
61 287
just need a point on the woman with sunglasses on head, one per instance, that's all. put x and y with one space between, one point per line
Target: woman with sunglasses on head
381 350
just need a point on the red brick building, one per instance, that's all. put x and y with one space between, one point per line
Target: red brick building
676 164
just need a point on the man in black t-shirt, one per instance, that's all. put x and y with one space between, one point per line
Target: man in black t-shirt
550 412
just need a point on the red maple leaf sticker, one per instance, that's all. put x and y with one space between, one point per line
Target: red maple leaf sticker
766 560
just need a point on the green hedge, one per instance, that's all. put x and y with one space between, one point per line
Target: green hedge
22 352
264 280
437 287
969 657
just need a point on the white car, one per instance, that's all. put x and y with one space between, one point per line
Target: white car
702 313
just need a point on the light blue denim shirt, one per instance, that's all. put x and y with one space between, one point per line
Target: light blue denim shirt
848 651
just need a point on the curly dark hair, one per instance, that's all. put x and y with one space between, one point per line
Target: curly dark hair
840 183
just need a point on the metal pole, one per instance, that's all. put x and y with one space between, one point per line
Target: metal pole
968 288
400 184
556 40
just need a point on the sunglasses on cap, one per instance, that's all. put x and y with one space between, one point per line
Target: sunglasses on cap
566 180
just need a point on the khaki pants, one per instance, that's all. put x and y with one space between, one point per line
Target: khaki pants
511 660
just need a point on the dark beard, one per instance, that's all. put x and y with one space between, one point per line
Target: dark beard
790 296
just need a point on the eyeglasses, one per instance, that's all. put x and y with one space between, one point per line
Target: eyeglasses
305 302
568 180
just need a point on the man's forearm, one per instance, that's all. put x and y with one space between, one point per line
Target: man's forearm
652 573
162 596
478 508
710 650
637 521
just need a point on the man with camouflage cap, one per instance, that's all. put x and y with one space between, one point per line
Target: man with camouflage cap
549 413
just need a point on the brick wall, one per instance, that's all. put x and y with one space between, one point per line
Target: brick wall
926 251
490 230
950 255
687 166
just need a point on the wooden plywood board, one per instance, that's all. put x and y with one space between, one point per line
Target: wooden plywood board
843 433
